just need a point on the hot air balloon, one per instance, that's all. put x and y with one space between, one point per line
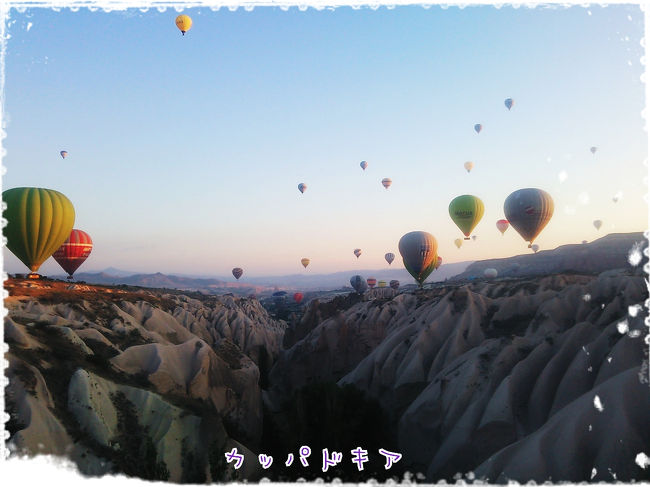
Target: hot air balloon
438 262
304 262
508 103
420 254
478 127
390 257
237 272
466 211
490 273
528 211
357 252
297 297
598 224
359 284
39 221
64 154
474 237
381 284
394 284
593 150
184 23
302 187
74 251
371 281
502 226
535 247
387 182
363 165
469 165
458 242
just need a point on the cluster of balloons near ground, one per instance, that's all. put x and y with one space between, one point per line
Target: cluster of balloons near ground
39 226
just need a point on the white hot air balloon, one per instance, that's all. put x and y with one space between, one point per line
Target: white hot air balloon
490 273
469 165
593 150
535 247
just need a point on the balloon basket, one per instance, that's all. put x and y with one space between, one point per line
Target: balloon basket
466 238
33 275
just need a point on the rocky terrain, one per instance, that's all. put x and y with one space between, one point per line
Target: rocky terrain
523 378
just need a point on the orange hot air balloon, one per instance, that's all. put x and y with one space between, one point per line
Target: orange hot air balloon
438 263
371 282
297 297
502 226
305 262
74 251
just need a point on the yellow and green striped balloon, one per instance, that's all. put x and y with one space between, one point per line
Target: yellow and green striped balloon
39 221
466 211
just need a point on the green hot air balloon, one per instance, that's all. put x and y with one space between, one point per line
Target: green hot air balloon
39 221
466 211
420 254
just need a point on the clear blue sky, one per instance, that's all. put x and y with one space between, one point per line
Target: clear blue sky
185 152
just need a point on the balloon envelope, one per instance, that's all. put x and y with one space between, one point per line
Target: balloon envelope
438 262
390 257
358 283
371 281
184 23
237 272
490 273
74 251
469 165
64 154
593 150
394 284
528 210
502 225
478 127
508 103
302 187
387 182
363 165
458 242
381 284
535 247
419 252
304 262
39 221
466 211
598 224
297 297
357 252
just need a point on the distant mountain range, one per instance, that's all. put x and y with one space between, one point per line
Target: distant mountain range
257 285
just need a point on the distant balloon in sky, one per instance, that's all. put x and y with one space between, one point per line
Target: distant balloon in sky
359 284
390 257
420 254
297 297
357 252
474 237
528 211
469 165
478 127
184 23
466 211
490 273
509 102
502 226
394 284
363 165
304 262
458 242
535 247
74 251
438 262
237 272
302 187
593 150
598 224
371 281
387 182
38 222
64 154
